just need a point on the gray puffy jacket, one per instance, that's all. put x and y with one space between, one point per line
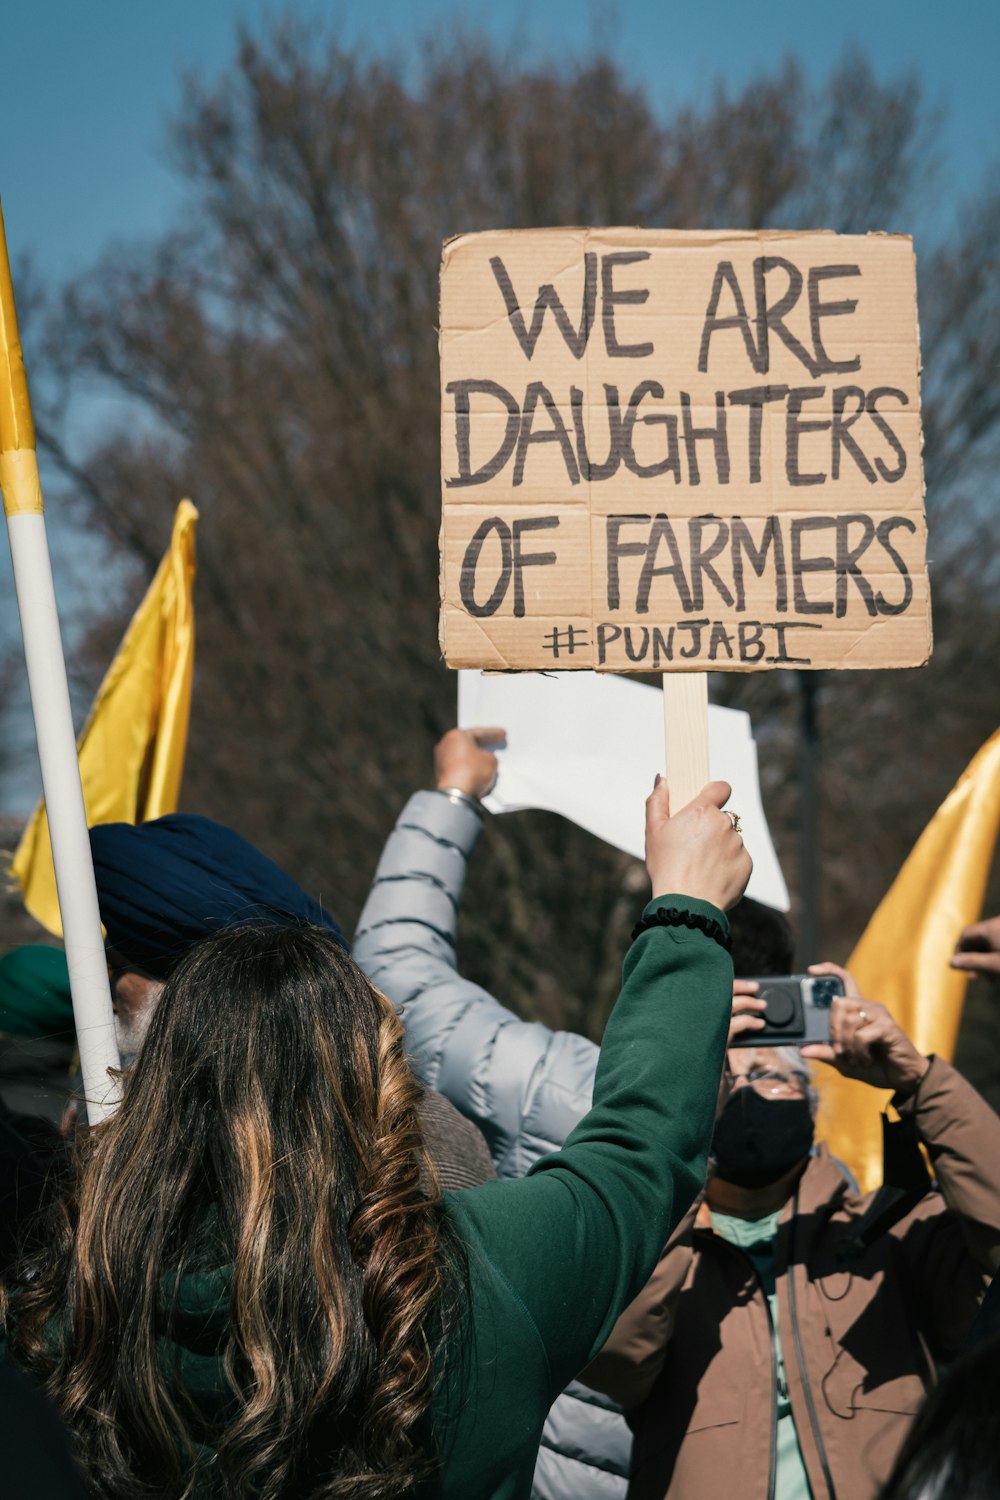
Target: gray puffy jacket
524 1085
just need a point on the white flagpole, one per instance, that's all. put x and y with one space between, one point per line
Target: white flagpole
74 868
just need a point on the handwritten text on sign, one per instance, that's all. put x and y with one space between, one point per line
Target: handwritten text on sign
677 450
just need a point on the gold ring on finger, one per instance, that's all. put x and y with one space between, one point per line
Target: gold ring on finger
734 818
864 1017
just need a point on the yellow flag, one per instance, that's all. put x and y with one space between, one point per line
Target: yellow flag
132 746
902 956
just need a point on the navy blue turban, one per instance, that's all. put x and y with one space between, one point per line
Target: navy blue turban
164 885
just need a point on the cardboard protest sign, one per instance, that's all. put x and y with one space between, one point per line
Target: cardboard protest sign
673 451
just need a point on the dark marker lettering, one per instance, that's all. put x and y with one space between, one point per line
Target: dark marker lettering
725 276
874 396
662 531
576 338
784 658
565 641
848 558
470 562
702 557
663 646
524 560
817 309
536 392
840 435
631 652
610 299
618 549
885 530
606 636
756 396
743 542
462 390
751 640
612 463
770 319
795 426
720 638
695 627
669 465
716 434
801 565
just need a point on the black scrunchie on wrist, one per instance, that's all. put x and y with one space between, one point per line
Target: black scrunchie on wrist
673 916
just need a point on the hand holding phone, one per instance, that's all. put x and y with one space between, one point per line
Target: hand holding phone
796 1011
866 1041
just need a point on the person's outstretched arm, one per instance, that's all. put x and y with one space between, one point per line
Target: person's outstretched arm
578 1238
951 1240
525 1086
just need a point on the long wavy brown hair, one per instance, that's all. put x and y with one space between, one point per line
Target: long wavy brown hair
264 1184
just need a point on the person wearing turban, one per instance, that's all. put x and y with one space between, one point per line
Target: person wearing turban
164 885
37 1039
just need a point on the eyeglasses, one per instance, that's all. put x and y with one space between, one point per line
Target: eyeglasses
768 1082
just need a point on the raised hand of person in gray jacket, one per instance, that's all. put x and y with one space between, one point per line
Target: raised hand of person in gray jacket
464 761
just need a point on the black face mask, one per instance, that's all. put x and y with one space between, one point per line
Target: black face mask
758 1140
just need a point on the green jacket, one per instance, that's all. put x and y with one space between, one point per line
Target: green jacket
555 1257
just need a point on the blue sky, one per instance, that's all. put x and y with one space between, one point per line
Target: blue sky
89 85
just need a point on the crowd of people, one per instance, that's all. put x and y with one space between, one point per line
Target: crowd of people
357 1230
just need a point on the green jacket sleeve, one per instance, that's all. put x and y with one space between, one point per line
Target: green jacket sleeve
578 1237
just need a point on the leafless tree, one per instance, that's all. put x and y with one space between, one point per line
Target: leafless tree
278 358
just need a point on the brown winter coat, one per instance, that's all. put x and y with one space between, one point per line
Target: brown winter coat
691 1358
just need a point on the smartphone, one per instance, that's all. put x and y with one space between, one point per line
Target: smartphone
798 1011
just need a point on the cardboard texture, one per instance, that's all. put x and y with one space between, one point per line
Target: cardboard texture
679 451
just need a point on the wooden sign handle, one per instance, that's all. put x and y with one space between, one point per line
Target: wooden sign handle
685 724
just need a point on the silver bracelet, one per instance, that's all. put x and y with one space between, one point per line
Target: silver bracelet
456 795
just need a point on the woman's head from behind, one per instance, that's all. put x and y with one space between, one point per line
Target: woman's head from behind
268 1134
275 1036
